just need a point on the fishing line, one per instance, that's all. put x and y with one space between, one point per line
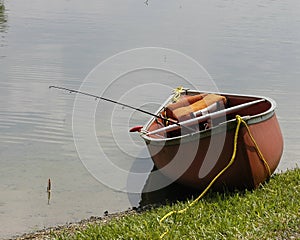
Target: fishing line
115 102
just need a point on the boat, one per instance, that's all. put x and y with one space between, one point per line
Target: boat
230 141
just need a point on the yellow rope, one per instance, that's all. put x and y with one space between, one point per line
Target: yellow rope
239 121
267 167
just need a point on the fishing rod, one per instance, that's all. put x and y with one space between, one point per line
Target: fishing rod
115 102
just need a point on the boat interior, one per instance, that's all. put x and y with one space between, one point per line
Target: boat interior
194 111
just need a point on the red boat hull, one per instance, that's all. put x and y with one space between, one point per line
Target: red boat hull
196 160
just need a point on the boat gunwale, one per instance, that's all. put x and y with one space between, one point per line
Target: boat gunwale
224 126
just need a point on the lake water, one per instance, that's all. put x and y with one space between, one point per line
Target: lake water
250 47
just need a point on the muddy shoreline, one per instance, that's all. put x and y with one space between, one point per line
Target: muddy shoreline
72 227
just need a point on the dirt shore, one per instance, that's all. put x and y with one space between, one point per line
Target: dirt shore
47 233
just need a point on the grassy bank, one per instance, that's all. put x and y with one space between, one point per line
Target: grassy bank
270 212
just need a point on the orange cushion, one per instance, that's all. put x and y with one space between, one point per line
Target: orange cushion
184 113
183 102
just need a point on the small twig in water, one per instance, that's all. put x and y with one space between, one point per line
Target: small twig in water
49 190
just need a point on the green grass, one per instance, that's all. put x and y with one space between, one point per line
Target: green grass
269 212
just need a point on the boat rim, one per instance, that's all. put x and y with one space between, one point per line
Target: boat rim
224 126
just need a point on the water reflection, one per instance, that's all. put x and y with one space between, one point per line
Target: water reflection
3 25
3 17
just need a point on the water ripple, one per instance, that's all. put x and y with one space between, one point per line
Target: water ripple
18 127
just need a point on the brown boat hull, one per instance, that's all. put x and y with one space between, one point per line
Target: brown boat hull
197 161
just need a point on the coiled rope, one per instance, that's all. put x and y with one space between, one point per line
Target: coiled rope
240 121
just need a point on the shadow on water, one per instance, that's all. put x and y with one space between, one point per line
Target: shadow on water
170 194
151 194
